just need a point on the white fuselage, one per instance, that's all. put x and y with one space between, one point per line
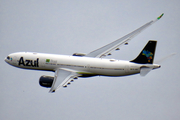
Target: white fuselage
84 66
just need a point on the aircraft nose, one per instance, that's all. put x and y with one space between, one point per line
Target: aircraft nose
5 60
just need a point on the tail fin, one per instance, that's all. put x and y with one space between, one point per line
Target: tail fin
147 54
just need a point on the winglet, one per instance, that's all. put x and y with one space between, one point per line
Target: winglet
160 16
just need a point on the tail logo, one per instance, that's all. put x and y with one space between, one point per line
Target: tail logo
148 54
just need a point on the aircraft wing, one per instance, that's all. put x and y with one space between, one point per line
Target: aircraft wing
107 49
61 79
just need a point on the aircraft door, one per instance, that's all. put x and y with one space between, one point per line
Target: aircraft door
14 60
127 69
42 62
88 66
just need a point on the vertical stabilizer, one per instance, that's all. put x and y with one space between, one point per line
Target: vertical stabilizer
147 54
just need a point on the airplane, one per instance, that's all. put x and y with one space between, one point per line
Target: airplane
70 67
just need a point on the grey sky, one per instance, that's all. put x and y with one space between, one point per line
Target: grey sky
66 27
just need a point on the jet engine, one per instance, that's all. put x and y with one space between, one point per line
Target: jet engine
46 81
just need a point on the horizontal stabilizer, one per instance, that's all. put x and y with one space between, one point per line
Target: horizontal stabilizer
145 70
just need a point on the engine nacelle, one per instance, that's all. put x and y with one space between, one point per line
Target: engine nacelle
79 54
46 81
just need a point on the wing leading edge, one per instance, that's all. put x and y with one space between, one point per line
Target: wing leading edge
105 50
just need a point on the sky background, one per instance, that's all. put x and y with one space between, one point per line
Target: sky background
66 27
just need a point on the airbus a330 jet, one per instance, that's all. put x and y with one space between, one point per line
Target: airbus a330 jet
67 68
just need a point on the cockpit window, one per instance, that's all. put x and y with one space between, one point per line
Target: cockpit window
8 57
